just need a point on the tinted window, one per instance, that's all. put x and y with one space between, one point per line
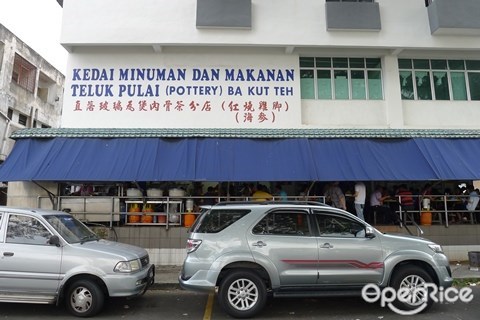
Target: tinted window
216 220
291 223
331 225
26 230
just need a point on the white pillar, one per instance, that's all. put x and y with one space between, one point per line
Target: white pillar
393 97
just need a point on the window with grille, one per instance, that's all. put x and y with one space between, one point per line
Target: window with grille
341 78
22 119
439 79
24 73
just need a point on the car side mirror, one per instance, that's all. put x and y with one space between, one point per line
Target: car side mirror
369 233
54 240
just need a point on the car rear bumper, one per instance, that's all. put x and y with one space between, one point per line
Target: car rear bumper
202 280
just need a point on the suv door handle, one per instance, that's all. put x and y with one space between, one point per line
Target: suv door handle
326 245
8 254
259 244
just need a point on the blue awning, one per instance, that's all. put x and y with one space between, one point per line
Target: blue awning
236 159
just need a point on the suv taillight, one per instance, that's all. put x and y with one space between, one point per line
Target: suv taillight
192 245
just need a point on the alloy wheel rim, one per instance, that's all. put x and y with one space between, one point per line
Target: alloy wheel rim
417 292
243 294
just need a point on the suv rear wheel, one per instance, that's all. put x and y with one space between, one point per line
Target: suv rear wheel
242 294
412 279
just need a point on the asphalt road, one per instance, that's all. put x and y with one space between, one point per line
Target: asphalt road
180 304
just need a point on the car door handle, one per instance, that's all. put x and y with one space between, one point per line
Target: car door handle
8 254
259 244
326 245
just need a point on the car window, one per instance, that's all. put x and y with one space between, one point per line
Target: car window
26 230
332 225
284 222
71 229
216 220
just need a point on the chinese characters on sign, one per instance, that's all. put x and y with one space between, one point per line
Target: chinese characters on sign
243 111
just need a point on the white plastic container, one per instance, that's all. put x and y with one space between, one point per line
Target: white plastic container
176 193
154 193
134 192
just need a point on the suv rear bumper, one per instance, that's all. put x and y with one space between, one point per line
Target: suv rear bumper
202 280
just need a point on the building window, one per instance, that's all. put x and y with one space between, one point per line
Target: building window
438 79
341 78
24 73
45 88
22 119
10 113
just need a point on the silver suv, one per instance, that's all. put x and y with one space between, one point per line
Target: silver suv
255 250
49 257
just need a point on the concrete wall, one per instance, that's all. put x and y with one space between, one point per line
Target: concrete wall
25 194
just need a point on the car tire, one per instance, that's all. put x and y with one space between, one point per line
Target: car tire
242 294
84 298
412 279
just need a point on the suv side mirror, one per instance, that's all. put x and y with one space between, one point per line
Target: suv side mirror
54 240
369 233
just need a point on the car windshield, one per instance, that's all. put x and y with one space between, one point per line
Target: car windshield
72 230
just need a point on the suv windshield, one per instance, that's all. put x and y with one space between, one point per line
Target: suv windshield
72 230
216 220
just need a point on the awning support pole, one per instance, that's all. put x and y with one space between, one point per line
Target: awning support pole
51 196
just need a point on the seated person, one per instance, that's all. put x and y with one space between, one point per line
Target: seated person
262 194
377 205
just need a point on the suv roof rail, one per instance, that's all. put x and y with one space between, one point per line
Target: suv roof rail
293 202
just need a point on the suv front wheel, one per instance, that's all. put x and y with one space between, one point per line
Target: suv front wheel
84 298
413 280
242 294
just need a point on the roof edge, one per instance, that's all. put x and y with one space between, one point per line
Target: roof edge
247 133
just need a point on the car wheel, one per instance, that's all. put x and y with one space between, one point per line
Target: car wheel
84 298
412 281
242 294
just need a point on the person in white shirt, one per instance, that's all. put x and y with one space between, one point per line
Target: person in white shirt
360 195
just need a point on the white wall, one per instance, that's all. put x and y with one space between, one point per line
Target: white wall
159 33
405 24
25 194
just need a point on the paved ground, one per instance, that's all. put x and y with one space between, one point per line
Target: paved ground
167 276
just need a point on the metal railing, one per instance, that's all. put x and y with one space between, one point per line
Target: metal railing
445 207
111 209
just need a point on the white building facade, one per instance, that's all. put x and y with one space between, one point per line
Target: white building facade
285 90
164 64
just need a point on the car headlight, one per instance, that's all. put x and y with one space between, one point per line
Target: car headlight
127 266
436 248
